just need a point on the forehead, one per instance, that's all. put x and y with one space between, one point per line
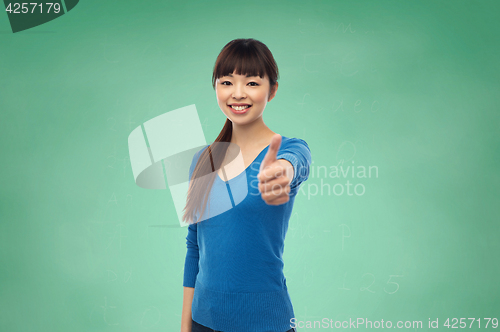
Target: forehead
244 76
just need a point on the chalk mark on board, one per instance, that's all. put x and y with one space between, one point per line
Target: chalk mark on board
367 288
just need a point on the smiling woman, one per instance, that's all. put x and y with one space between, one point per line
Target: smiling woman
242 94
245 73
239 108
224 286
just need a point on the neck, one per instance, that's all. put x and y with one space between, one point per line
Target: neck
251 135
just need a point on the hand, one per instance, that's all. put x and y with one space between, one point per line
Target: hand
275 175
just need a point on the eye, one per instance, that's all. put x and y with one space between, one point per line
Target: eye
228 83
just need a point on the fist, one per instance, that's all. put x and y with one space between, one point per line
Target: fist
275 175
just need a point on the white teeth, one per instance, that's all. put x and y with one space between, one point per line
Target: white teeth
240 108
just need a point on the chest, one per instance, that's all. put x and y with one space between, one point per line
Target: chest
238 165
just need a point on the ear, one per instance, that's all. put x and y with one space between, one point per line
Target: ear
273 92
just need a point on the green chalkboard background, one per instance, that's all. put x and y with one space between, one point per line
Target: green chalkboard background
409 89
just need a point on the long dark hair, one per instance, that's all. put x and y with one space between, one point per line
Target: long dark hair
245 57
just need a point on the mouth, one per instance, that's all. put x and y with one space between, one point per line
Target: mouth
240 109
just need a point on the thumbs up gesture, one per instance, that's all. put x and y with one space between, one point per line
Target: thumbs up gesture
275 175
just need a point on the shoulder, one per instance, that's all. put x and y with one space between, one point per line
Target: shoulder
196 156
290 142
195 159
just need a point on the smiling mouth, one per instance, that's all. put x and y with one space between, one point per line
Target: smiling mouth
239 108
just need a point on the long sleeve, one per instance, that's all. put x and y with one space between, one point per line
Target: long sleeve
297 152
192 255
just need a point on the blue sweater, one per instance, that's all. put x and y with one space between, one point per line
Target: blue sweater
234 260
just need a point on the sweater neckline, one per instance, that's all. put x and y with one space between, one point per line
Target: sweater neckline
253 161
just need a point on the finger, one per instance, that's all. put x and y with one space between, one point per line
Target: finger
271 172
272 152
278 201
283 200
275 193
281 182
277 198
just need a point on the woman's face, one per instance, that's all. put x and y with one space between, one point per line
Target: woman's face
236 89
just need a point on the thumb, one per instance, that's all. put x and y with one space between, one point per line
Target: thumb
272 152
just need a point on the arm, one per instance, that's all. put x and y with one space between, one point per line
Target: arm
186 320
289 168
297 153
190 266
190 273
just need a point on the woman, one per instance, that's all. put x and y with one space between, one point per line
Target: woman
233 273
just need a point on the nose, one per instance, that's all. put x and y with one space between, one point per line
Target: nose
239 91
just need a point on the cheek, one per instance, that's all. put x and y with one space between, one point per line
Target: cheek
223 97
221 100
260 97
